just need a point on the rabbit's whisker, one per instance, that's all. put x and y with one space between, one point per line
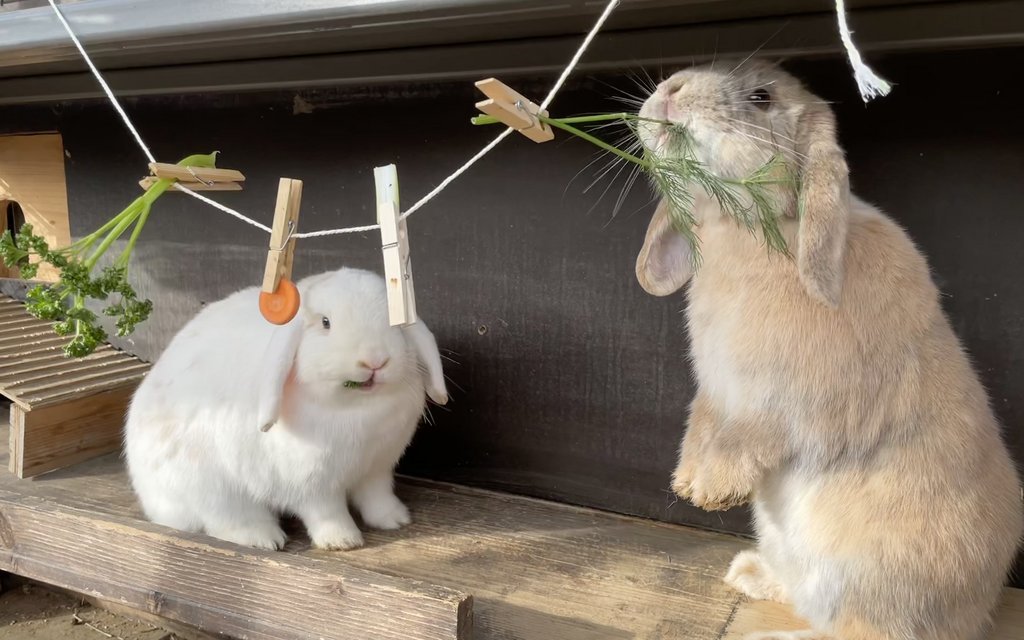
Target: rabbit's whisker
771 143
774 134
624 193
622 165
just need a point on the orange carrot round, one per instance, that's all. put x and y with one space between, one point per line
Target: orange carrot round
282 305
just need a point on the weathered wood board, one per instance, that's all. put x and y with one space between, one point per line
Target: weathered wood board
753 617
209 584
60 435
536 570
63 410
32 175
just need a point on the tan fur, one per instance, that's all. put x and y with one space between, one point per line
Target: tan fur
834 395
749 573
824 206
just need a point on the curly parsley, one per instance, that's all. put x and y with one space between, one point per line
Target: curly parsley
64 302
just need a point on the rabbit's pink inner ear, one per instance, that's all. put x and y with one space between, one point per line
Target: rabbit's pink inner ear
665 263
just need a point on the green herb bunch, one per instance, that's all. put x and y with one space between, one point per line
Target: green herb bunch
749 200
64 301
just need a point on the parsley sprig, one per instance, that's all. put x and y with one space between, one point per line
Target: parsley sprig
64 302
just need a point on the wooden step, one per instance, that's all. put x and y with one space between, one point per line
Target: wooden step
473 564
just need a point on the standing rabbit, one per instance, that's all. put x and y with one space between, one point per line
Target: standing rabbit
832 392
338 390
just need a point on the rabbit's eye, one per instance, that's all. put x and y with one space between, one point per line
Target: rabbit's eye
761 98
325 321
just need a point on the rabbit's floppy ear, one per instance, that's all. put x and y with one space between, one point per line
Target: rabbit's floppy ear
823 207
429 359
276 366
279 358
664 264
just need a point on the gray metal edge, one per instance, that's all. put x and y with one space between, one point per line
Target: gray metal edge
930 26
156 32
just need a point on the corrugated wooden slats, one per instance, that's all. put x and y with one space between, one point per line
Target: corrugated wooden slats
34 371
64 410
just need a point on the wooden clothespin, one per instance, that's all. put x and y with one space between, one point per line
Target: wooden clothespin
394 237
514 110
195 178
279 298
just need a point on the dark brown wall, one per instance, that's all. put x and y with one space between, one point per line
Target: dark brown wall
570 382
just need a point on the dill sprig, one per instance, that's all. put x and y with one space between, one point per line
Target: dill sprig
751 201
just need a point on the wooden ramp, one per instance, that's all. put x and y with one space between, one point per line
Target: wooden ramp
63 410
473 564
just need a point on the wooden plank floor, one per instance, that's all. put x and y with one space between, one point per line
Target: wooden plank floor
536 570
762 616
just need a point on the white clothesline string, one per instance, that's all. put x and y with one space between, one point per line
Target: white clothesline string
330 232
869 83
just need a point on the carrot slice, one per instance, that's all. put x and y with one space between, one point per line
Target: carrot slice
282 305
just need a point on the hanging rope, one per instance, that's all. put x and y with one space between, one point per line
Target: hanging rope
869 83
331 232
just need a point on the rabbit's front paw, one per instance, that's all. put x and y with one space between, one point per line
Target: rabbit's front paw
682 480
717 488
386 513
750 575
269 536
337 536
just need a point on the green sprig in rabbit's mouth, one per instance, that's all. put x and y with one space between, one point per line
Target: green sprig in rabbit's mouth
750 200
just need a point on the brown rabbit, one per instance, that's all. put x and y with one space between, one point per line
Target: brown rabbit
832 393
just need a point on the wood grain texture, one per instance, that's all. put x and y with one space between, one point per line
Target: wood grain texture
536 570
282 245
61 435
212 585
752 617
195 174
180 630
63 410
50 357
543 570
32 174
146 183
34 372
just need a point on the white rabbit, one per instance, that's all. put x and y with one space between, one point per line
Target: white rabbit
832 392
197 456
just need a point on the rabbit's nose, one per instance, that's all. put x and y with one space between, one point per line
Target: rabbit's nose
375 364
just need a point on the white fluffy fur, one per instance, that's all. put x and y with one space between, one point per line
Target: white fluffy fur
198 459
